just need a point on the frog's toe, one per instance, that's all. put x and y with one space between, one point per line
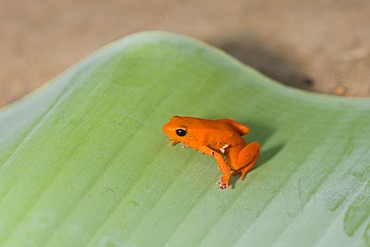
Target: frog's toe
222 185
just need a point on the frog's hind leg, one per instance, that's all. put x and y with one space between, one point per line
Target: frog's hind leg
247 159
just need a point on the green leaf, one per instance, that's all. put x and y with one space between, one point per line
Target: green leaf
84 161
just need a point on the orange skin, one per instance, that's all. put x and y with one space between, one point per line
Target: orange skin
218 139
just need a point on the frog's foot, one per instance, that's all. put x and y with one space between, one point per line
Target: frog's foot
172 141
222 183
223 148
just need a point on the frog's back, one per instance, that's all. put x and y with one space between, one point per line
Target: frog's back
238 127
201 124
211 125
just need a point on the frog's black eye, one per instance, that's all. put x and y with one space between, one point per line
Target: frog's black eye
180 132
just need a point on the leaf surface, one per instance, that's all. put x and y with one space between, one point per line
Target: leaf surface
84 161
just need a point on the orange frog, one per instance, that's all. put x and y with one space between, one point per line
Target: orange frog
220 139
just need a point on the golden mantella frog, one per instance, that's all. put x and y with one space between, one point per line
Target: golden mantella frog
221 139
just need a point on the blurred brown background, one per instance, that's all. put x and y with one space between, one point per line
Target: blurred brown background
317 45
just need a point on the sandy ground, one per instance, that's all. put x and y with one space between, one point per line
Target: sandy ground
317 45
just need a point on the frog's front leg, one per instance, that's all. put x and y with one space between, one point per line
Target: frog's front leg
172 141
224 180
